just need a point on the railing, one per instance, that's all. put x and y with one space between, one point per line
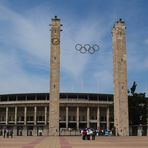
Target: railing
69 132
134 130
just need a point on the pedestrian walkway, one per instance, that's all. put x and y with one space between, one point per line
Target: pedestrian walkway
73 142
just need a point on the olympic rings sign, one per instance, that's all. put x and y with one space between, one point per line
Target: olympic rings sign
87 48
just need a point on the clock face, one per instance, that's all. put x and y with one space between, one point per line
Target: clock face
55 41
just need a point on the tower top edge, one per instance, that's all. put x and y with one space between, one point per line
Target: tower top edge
55 18
119 23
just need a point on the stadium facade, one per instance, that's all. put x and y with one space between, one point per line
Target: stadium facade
28 114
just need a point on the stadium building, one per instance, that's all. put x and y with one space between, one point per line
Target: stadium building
28 114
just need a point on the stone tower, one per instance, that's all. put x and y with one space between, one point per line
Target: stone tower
121 121
54 77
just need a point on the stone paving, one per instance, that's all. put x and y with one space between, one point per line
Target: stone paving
73 142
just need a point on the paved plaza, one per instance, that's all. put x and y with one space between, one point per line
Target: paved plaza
74 142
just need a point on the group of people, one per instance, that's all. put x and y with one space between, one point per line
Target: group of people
88 134
7 133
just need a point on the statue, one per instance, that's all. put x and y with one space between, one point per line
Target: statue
133 88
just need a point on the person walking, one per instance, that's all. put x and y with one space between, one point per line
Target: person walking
11 133
93 135
7 133
4 135
84 134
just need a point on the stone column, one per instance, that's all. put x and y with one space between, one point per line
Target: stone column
54 104
15 122
98 117
121 119
25 122
15 116
25 115
45 115
34 132
77 118
25 131
6 115
88 113
66 117
35 110
15 130
107 119
147 128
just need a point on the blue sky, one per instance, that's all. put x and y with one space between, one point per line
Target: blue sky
25 44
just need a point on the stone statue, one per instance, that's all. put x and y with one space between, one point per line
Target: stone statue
133 88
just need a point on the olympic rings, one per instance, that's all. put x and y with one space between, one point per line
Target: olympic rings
87 48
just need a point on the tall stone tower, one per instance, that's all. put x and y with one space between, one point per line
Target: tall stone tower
121 120
54 77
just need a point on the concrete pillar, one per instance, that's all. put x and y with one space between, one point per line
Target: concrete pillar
34 132
98 117
107 118
140 128
88 120
25 131
77 118
45 115
6 115
25 115
35 110
15 116
66 117
147 129
15 130
15 120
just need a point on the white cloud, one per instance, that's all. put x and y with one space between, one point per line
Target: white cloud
104 80
137 61
26 34
146 41
14 80
21 35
